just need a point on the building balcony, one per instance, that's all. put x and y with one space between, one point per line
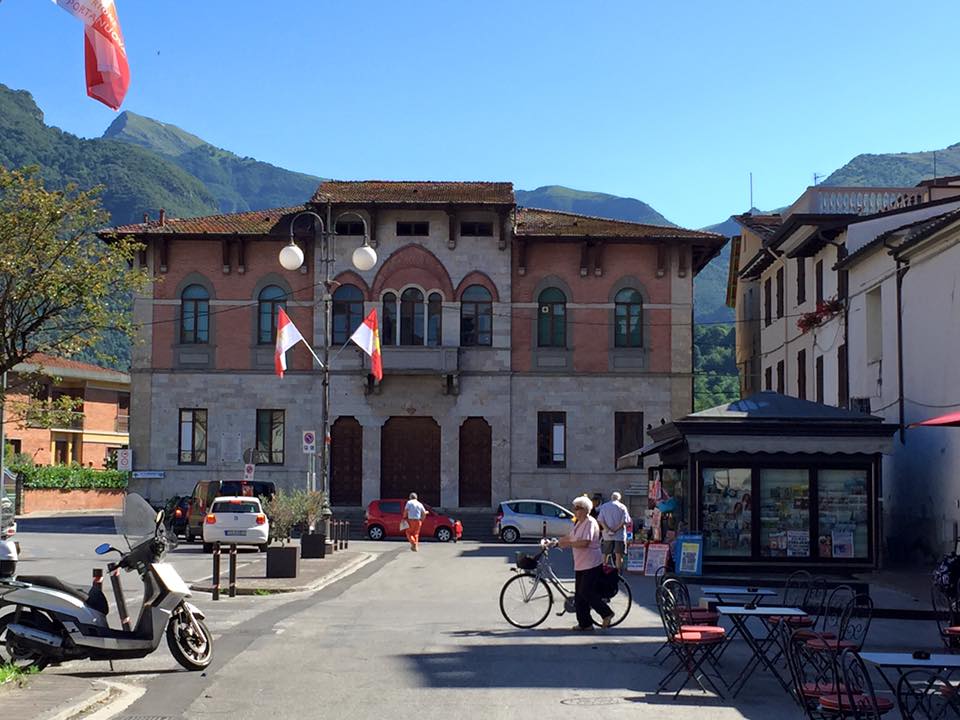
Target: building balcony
68 421
122 424
418 360
855 201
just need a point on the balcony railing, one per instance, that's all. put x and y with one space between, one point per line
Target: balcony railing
122 424
54 420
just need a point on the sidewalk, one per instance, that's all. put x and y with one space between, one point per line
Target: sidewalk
252 580
52 697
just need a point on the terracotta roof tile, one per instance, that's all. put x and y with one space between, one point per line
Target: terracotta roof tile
390 191
762 225
50 362
532 222
254 222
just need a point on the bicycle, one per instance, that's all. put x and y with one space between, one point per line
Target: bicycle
526 599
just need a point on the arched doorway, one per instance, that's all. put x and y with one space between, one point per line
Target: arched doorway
346 462
475 462
410 458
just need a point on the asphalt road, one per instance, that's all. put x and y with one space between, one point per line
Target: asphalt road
409 635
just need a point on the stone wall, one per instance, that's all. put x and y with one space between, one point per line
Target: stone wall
48 500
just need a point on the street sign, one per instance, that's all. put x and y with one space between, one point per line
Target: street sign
309 442
125 459
149 474
248 471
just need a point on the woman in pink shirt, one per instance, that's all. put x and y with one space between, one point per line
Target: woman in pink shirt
587 562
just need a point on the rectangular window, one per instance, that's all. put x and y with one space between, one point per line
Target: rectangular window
727 514
350 227
843 385
627 433
802 374
16 444
784 513
270 426
551 439
413 229
874 320
843 284
780 376
476 229
768 379
818 275
193 437
843 511
767 301
819 378
801 280
780 289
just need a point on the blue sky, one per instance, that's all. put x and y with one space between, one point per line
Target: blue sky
672 103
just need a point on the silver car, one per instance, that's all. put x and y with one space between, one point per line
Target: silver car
526 518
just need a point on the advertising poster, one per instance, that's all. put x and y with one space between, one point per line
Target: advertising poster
636 555
798 543
842 542
657 555
689 554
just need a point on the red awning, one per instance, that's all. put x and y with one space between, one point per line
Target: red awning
942 421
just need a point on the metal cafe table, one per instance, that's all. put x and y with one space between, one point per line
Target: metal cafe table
904 662
759 646
756 594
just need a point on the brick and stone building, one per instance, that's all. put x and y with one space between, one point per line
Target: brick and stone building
523 350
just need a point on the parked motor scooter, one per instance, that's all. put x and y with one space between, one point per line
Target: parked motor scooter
46 621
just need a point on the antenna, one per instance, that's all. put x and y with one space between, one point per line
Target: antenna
751 192
934 164
816 178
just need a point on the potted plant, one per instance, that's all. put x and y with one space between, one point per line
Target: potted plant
313 543
283 561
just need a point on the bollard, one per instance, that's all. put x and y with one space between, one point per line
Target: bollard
346 535
343 531
233 570
114 571
216 571
544 529
333 535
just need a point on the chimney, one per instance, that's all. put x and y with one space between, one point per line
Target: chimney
163 217
146 218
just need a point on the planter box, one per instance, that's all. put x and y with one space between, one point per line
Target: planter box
283 562
313 546
53 500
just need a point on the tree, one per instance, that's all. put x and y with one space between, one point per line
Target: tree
61 288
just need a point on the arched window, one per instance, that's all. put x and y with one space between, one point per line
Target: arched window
476 316
347 312
195 315
272 298
388 335
434 320
411 317
628 330
552 325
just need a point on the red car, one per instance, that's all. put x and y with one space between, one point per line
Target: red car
383 520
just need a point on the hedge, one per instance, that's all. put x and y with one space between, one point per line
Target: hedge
70 477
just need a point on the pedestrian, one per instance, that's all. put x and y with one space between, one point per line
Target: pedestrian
587 565
413 514
595 504
614 519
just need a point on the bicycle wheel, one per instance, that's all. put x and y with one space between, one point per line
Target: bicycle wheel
525 601
619 604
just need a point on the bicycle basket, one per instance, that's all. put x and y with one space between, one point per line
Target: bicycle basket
526 562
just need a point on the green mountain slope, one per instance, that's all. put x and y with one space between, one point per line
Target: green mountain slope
897 169
557 197
135 180
237 183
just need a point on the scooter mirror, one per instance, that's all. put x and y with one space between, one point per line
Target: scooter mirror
103 549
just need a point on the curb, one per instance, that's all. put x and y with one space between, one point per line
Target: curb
324 580
103 704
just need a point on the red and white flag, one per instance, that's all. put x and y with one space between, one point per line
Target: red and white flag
108 74
367 336
287 337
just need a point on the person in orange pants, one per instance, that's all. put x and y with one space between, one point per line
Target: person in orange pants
413 513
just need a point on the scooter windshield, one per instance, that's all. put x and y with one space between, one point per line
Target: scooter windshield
138 521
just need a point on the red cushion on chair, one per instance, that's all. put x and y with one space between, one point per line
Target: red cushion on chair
801 621
830 644
955 630
692 637
823 687
838 702
809 634
715 629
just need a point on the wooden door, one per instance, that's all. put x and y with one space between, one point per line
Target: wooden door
346 462
475 463
410 459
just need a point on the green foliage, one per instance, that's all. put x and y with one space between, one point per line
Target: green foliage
896 169
715 369
284 511
58 282
69 477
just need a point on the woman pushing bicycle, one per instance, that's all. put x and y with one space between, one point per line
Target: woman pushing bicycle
587 565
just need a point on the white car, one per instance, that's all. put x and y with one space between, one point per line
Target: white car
518 519
236 521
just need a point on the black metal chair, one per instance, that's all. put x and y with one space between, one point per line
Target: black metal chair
945 610
927 695
856 697
691 646
813 674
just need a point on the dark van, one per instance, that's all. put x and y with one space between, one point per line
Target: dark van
205 492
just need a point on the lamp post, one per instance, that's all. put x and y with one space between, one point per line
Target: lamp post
291 258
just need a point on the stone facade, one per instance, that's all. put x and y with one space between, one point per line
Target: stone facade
466 242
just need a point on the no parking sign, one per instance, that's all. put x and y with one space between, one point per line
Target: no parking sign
309 442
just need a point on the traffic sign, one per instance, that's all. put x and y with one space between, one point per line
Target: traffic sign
309 442
248 471
125 459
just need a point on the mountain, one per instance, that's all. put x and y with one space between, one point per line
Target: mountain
134 179
897 169
558 197
237 183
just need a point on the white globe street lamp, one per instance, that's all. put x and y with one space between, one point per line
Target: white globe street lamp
364 257
291 256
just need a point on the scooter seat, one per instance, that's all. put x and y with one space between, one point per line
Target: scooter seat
48 581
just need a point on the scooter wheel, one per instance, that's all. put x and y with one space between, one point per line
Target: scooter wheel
25 661
191 645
